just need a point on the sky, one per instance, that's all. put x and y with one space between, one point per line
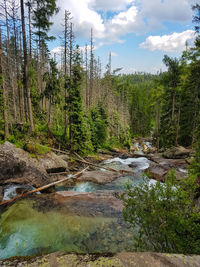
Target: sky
138 33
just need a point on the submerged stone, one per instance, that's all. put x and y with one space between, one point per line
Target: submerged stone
83 223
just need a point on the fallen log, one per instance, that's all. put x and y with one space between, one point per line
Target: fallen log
101 167
43 187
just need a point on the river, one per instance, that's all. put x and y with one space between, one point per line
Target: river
86 218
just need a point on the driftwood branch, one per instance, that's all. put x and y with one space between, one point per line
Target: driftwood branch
43 187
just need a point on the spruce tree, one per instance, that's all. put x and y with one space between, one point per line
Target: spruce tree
77 130
42 13
98 126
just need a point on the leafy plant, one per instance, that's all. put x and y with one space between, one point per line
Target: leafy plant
165 215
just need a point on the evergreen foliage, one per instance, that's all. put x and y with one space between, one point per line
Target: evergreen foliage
98 126
77 130
51 77
171 102
44 9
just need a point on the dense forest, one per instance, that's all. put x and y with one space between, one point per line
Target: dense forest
73 104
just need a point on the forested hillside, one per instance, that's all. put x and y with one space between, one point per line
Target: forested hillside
72 104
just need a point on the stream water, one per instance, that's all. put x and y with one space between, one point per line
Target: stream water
89 221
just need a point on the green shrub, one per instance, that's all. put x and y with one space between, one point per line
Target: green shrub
165 215
36 149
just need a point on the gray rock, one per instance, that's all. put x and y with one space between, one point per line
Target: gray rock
17 166
98 177
161 167
53 163
157 172
177 153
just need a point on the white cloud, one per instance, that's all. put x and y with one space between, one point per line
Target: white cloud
124 22
123 17
60 49
110 5
167 10
84 18
169 43
126 17
113 54
57 50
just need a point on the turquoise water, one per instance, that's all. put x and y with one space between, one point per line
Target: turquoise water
29 229
120 183
48 223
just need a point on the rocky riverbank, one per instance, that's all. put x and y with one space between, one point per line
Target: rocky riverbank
147 259
20 168
177 158
81 215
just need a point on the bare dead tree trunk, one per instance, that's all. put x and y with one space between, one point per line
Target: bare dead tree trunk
91 69
2 85
70 49
26 85
23 89
66 41
86 76
30 32
20 103
10 67
98 77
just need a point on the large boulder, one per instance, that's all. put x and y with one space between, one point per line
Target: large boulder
157 172
17 166
98 177
53 163
177 153
161 167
